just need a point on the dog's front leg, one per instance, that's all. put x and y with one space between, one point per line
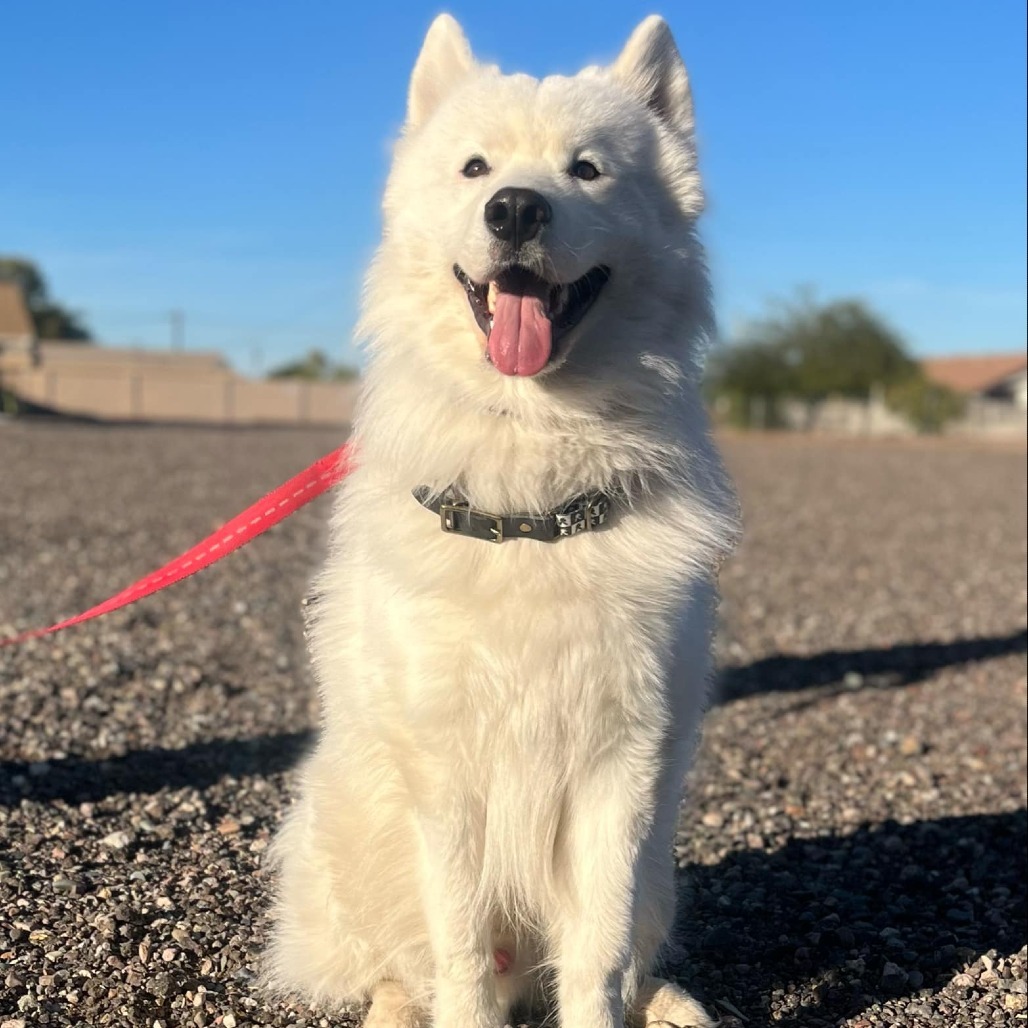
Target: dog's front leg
601 852
458 918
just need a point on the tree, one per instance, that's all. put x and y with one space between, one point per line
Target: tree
51 319
315 367
810 351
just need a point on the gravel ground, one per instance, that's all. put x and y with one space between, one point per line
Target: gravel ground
855 836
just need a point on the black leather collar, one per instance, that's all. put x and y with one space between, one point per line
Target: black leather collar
580 514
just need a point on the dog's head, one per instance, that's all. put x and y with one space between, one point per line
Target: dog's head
529 223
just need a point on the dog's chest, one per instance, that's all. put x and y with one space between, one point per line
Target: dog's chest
547 632
537 645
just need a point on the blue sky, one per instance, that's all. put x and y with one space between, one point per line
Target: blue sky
226 158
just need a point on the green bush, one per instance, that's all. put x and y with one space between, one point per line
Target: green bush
315 367
924 404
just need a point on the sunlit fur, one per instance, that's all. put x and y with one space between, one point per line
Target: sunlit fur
506 727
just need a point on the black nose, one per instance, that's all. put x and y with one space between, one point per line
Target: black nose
516 215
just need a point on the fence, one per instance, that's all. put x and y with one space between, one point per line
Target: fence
870 416
989 417
118 386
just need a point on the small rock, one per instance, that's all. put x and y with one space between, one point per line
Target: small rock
116 840
894 978
911 746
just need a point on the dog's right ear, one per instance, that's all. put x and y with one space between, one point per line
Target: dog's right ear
444 60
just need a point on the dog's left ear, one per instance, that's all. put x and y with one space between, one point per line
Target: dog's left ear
444 60
651 66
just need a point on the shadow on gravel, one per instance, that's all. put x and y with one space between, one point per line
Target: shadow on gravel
847 670
75 780
842 922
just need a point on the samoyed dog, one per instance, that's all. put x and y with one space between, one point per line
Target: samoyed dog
513 632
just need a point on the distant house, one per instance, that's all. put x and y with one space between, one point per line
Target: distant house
998 377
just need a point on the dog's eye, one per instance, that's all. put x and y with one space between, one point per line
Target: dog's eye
475 167
585 170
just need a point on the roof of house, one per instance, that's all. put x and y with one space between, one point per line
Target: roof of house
974 373
14 315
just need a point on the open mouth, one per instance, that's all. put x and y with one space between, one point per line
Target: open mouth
524 316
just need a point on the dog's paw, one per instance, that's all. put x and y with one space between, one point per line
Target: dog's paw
391 1007
660 1004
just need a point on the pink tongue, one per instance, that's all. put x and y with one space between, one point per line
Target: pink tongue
522 336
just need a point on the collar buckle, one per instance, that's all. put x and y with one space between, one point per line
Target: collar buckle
458 518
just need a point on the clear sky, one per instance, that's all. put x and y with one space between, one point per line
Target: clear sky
226 158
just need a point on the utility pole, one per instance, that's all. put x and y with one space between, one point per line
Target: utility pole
178 329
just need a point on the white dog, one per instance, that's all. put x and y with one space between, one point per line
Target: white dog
514 626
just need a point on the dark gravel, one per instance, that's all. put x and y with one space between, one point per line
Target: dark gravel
856 833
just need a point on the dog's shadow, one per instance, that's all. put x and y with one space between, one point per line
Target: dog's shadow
842 922
78 780
832 672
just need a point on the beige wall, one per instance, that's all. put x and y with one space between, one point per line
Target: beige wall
196 389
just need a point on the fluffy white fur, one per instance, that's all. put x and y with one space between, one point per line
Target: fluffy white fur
507 727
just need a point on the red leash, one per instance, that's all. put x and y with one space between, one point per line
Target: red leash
257 518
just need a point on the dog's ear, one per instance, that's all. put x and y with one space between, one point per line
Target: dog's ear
444 60
651 66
